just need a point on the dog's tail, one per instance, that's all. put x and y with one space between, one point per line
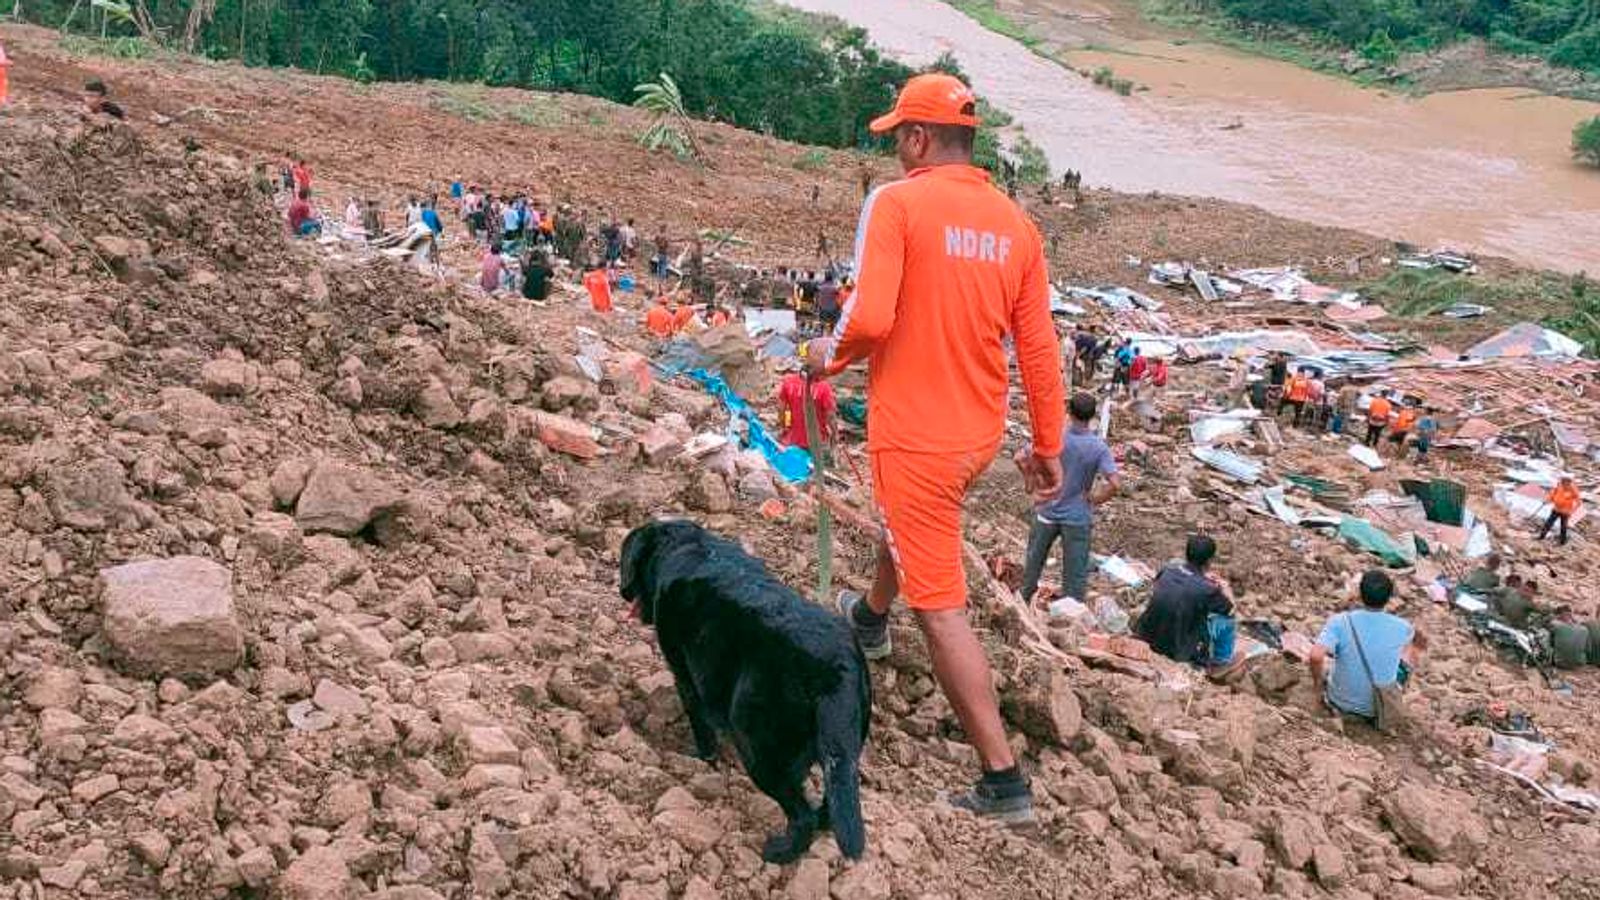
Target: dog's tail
841 729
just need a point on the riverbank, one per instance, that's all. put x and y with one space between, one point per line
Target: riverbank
1485 170
1060 29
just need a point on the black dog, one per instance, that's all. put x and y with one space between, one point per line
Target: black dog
781 676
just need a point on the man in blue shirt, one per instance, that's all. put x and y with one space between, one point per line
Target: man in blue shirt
1070 514
1389 644
430 218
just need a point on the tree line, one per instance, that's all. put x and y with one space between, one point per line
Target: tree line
1565 32
749 64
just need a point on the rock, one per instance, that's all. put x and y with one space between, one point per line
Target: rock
225 377
319 874
709 493
434 406
1296 835
1327 860
54 687
91 789
257 866
89 496
564 391
1440 880
473 646
343 500
142 732
656 444
757 486
700 889
65 876
152 847
339 700
490 875
488 744
277 539
1438 825
288 480
865 880
694 830
810 880
345 800
172 617
565 435
1041 702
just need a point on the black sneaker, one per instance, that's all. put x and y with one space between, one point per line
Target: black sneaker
1009 802
873 636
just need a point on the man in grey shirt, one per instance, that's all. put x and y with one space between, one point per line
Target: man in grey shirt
1070 514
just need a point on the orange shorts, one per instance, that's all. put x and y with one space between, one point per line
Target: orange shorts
919 498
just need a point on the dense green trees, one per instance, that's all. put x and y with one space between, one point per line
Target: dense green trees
1566 32
741 62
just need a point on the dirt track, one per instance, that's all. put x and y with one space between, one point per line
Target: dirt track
486 720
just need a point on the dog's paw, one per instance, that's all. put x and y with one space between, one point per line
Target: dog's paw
780 849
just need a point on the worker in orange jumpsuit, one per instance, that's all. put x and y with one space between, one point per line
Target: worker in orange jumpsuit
1564 500
658 319
946 268
1404 421
681 317
1378 410
1296 393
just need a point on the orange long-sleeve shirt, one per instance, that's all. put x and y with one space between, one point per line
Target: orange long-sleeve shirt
946 267
1564 499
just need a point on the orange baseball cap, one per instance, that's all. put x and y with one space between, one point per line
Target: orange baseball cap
935 98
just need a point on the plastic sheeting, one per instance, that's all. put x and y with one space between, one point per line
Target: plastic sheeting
1366 536
792 464
1526 339
1366 456
1238 467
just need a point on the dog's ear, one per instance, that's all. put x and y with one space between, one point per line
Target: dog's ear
636 551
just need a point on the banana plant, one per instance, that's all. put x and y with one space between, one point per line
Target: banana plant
672 128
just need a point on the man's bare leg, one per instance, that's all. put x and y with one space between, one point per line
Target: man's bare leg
885 584
963 672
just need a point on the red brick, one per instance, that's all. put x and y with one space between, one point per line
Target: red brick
565 435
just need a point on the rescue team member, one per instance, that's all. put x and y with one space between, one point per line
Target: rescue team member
1401 429
1563 503
4 65
658 320
792 410
947 267
1377 418
1297 393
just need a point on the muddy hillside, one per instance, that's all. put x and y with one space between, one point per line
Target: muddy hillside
308 554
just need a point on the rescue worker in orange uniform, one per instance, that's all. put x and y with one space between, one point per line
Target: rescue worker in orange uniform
658 320
1564 499
946 268
1297 393
1404 421
1378 410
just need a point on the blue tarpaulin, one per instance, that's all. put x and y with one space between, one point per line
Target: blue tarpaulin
793 464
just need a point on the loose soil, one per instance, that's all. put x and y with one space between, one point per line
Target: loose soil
450 701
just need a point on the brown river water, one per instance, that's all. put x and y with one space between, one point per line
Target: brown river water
1484 170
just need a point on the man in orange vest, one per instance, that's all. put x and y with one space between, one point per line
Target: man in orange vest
946 268
1564 500
1378 410
1401 429
1297 393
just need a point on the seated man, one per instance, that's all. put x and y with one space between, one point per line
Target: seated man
1178 623
1513 602
1370 648
302 219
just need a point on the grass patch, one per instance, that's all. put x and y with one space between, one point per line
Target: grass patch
81 45
1570 305
985 13
1288 45
812 160
537 115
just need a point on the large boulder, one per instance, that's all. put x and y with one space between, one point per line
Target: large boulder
172 617
343 500
1438 825
90 496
